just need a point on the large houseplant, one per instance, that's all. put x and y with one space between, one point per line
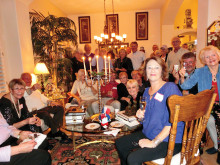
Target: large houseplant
47 34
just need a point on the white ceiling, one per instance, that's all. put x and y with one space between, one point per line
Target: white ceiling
97 6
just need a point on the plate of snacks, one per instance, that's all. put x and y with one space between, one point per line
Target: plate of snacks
92 126
117 124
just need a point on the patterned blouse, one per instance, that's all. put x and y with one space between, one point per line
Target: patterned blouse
10 114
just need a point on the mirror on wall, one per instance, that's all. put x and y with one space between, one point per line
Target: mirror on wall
213 34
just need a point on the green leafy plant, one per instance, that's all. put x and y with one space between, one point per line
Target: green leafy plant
48 35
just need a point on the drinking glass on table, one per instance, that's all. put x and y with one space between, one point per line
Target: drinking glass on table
143 104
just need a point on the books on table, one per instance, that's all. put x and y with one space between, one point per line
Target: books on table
75 115
128 120
122 115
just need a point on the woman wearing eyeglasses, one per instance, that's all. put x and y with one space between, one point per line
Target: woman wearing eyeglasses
14 109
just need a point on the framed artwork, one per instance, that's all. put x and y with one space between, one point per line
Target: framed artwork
213 34
142 26
112 23
84 30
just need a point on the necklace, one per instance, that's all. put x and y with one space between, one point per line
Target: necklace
214 78
16 107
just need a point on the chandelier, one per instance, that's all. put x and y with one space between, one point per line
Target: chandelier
110 39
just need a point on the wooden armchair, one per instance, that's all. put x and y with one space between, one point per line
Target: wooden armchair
194 110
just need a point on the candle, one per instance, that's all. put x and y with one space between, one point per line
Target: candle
97 60
90 66
109 62
105 66
84 65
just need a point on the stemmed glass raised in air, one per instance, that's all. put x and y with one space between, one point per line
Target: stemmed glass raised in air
143 104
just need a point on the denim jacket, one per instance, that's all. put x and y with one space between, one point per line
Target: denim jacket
203 77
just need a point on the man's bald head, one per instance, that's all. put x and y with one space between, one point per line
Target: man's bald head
26 77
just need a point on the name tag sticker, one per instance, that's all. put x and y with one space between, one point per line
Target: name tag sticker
114 88
159 97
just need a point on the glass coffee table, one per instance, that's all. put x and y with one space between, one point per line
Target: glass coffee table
93 128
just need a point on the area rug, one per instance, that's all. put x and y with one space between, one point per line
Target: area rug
92 154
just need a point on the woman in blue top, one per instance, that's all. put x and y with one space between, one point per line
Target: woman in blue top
152 142
206 77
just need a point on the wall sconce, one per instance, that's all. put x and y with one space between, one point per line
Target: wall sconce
41 69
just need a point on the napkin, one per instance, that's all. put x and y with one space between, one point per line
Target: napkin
114 132
39 139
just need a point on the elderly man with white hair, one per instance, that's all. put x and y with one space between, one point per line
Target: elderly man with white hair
84 91
174 56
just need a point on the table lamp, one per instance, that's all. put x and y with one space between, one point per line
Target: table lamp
41 69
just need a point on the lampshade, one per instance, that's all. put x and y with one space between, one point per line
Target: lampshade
41 68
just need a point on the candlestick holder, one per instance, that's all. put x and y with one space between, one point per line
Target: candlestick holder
102 80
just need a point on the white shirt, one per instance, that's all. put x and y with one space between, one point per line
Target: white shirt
6 131
174 58
85 92
137 58
35 100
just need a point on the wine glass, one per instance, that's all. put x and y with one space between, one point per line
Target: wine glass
34 112
143 104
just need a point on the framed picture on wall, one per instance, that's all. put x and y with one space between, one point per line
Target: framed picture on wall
112 23
142 26
84 30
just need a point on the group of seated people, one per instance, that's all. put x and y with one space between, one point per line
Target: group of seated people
152 83
114 94
152 141
16 112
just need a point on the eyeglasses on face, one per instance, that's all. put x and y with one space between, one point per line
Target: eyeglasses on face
18 89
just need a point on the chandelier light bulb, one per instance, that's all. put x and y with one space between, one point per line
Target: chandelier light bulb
113 34
110 39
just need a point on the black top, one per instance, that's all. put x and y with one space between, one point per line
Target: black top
125 63
145 84
122 92
137 100
10 113
76 65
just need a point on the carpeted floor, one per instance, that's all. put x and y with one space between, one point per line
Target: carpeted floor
92 154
